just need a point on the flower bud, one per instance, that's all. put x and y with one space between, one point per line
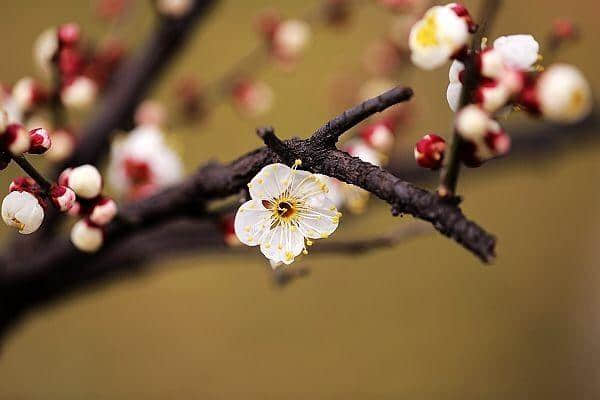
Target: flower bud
63 178
76 210
491 63
563 94
80 93
86 237
40 141
429 151
252 98
16 139
69 34
24 184
85 181
28 93
358 148
228 229
63 144
492 96
22 210
290 38
472 123
494 143
63 197
379 136
103 212
174 8
150 113
45 49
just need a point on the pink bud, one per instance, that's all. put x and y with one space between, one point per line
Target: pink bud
564 29
103 212
16 139
228 229
24 184
462 12
63 144
62 197
40 141
252 98
379 136
75 210
429 151
69 34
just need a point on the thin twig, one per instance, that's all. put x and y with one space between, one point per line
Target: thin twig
33 173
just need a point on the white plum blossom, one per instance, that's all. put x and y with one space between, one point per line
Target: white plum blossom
518 51
509 55
564 94
143 159
86 237
22 210
435 38
289 207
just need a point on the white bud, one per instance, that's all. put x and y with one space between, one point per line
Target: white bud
494 97
44 49
518 51
17 139
103 212
472 123
291 37
85 181
63 144
23 92
80 93
86 237
22 210
174 8
564 94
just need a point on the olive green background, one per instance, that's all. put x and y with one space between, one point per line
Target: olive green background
424 320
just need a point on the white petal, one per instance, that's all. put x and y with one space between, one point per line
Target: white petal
518 51
252 222
282 244
270 182
453 95
321 220
455 69
23 211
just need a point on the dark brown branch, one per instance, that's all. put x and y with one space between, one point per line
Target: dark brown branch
27 281
33 173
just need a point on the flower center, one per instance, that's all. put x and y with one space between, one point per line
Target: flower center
284 209
427 34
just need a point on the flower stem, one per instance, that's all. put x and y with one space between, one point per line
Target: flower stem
450 172
33 173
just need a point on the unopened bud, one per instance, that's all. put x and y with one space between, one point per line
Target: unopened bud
87 237
472 123
63 144
69 34
28 93
104 211
174 8
63 197
80 93
379 136
16 139
429 151
85 181
40 141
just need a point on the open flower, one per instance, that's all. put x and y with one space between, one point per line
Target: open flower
142 163
437 37
22 211
288 208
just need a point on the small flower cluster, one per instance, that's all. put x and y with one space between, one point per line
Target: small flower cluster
142 163
286 39
507 77
95 209
16 141
81 75
288 209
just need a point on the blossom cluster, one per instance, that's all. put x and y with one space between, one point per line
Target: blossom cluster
508 76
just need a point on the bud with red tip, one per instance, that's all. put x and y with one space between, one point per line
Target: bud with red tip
494 143
289 39
252 98
103 212
28 93
63 197
462 12
24 184
492 96
378 135
15 139
85 181
86 236
429 151
40 141
79 93
563 29
63 144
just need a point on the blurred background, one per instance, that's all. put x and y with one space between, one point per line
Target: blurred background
422 320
